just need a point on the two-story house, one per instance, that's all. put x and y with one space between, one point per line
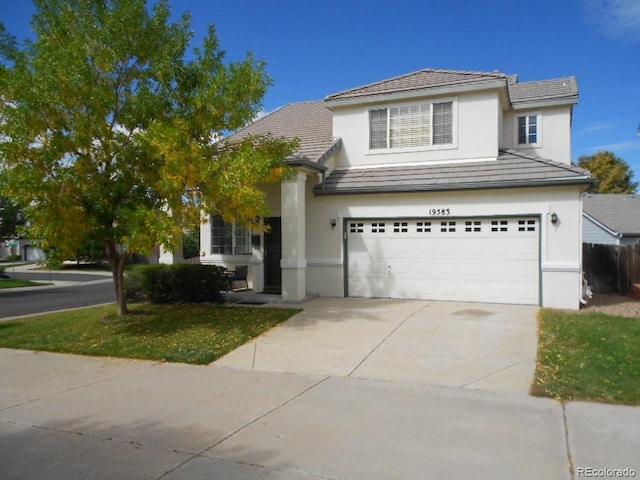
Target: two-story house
438 184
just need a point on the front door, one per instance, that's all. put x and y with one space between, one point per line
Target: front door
272 256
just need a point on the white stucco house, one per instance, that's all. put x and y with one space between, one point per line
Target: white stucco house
611 219
438 184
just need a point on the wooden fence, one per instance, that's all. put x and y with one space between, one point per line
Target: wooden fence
611 268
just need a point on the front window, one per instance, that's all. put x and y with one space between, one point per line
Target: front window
528 130
418 125
229 238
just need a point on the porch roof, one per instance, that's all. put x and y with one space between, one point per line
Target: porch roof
510 169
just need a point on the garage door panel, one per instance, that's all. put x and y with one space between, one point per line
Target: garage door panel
477 259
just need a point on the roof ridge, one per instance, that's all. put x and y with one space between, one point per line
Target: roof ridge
546 161
547 80
495 74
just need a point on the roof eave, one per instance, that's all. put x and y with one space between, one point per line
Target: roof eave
305 164
337 145
460 186
609 230
550 102
417 93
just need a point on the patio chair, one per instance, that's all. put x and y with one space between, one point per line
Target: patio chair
240 275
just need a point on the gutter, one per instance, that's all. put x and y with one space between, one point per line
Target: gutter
609 230
458 186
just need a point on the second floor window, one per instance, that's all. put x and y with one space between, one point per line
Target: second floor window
417 125
528 130
229 238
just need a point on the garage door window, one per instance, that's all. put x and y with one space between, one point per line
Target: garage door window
526 225
473 226
499 225
447 227
400 227
356 227
377 227
423 227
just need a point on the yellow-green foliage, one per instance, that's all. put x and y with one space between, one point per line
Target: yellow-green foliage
109 133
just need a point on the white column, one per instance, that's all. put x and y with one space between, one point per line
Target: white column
170 257
294 259
205 237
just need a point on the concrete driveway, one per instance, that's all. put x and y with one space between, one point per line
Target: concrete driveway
474 346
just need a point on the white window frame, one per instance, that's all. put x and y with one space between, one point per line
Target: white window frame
404 105
240 239
527 144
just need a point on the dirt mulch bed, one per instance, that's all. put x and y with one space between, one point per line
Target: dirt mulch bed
614 305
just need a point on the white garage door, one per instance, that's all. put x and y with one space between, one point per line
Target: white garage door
463 259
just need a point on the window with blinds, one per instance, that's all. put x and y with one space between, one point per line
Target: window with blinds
418 125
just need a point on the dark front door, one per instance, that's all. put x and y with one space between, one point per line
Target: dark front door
272 256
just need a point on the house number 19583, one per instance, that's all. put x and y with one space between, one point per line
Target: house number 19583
439 211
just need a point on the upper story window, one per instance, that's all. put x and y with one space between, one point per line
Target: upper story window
529 130
229 238
417 125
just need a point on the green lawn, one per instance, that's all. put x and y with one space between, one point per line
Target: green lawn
588 356
16 283
195 334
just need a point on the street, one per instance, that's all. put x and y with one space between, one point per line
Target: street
72 290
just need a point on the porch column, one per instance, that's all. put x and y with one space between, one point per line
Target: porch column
294 259
170 257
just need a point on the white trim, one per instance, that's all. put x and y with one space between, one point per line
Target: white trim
550 267
415 164
324 262
293 263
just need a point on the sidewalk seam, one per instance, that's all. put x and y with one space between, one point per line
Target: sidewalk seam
565 422
385 339
238 430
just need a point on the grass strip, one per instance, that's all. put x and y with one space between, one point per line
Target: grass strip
588 356
196 333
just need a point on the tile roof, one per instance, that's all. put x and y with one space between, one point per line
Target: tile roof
544 90
511 169
617 212
556 88
422 79
311 122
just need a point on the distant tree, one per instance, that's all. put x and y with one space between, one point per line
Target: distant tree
191 243
108 130
614 175
11 218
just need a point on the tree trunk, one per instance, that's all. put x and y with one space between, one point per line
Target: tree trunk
117 262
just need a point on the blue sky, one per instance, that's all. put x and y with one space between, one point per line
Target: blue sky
317 47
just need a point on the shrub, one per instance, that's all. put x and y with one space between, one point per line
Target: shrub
133 289
183 283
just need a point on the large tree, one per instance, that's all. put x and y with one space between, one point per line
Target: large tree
614 175
108 129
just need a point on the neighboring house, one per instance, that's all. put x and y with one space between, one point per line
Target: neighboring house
611 219
437 185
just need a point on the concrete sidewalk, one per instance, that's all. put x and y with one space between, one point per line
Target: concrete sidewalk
71 417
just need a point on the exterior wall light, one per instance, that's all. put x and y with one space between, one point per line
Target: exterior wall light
332 221
554 218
